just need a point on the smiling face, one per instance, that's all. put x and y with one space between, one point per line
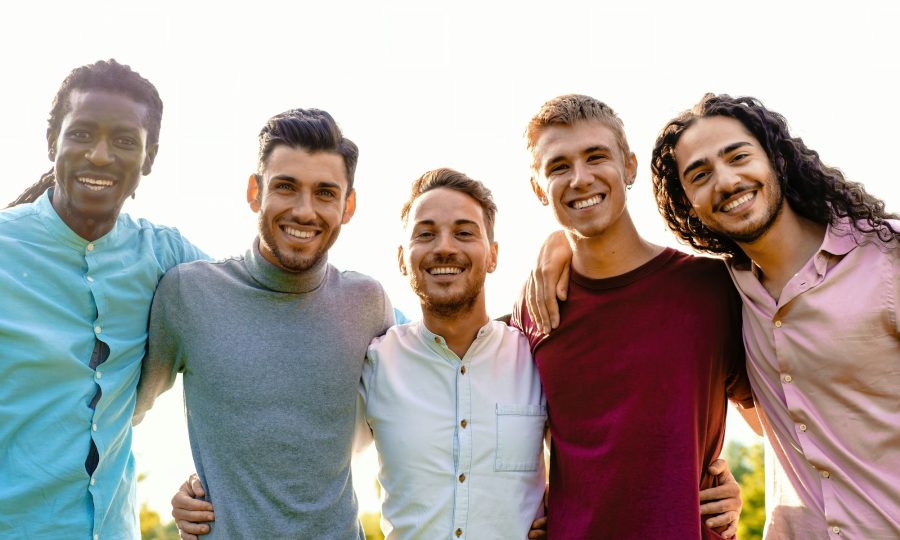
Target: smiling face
728 178
448 253
581 172
302 201
100 153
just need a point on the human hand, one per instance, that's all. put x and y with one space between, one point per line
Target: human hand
190 511
549 281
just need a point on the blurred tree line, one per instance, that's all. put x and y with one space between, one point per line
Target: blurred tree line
746 463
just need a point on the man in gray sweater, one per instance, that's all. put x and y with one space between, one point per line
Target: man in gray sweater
271 345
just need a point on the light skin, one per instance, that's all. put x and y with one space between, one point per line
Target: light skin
573 166
447 255
733 189
302 200
99 154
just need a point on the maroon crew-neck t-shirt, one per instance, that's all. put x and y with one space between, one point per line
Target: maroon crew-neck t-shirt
637 378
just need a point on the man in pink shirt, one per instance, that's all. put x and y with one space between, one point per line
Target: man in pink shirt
815 259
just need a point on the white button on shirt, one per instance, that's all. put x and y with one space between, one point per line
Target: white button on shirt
461 451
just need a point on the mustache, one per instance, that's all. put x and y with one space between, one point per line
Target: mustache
743 186
442 260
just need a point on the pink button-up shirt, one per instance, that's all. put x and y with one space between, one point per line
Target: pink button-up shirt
824 364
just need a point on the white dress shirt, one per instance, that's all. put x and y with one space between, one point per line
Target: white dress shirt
460 441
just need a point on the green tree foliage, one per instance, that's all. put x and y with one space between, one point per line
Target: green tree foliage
747 465
152 527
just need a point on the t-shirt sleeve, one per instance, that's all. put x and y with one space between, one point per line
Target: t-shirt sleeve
737 382
162 361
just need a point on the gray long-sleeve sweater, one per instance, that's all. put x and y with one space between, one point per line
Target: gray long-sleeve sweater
271 364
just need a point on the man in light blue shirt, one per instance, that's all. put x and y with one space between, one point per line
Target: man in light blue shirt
77 280
454 401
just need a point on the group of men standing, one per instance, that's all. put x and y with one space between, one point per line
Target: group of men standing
287 360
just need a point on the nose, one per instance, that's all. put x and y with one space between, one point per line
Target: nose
727 179
445 244
581 176
302 210
100 153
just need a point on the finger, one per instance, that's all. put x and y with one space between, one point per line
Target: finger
562 287
196 486
539 523
187 536
725 491
562 291
717 467
543 318
721 520
196 529
731 531
184 502
194 516
537 534
731 504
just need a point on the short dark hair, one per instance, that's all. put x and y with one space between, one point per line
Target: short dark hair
813 190
457 181
313 130
109 76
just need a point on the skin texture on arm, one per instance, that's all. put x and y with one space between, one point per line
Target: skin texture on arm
549 281
751 416
161 364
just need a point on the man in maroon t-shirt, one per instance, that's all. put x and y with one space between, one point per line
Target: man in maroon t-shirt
647 352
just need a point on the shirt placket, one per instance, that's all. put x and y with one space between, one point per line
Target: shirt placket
90 252
792 385
463 460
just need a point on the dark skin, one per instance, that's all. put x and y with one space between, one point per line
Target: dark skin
100 153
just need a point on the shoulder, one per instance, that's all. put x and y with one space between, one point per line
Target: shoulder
199 273
167 241
393 337
699 269
360 288
17 215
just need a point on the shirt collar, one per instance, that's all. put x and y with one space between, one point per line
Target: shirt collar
58 228
438 342
276 279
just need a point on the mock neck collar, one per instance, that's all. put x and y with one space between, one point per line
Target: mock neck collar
276 279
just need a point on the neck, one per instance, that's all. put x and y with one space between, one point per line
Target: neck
459 330
87 228
783 250
619 249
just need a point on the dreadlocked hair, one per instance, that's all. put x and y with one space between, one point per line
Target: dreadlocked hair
109 76
814 190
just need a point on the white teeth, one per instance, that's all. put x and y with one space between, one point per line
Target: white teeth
299 234
95 184
578 205
737 202
442 270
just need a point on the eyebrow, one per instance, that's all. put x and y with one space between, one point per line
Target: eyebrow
588 150
703 161
289 178
431 223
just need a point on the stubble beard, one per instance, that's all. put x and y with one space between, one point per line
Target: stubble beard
292 261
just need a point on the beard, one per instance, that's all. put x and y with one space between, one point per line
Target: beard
447 306
293 260
754 231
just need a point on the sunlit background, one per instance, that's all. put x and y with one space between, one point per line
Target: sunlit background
421 85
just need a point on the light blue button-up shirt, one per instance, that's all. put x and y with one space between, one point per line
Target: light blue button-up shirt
460 441
60 294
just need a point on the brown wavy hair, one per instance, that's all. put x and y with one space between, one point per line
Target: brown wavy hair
813 189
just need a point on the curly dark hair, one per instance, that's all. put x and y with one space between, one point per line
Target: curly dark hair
813 190
107 75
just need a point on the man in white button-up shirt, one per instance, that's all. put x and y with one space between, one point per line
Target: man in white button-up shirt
454 401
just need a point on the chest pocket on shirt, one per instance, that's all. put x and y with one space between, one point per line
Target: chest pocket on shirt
520 437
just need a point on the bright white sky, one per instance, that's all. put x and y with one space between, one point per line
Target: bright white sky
421 85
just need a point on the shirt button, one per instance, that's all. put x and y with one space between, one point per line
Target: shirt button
458 533
802 427
462 370
437 340
97 329
836 530
788 378
464 424
462 478
90 279
777 324
98 375
90 247
94 427
93 481
96 537
826 474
